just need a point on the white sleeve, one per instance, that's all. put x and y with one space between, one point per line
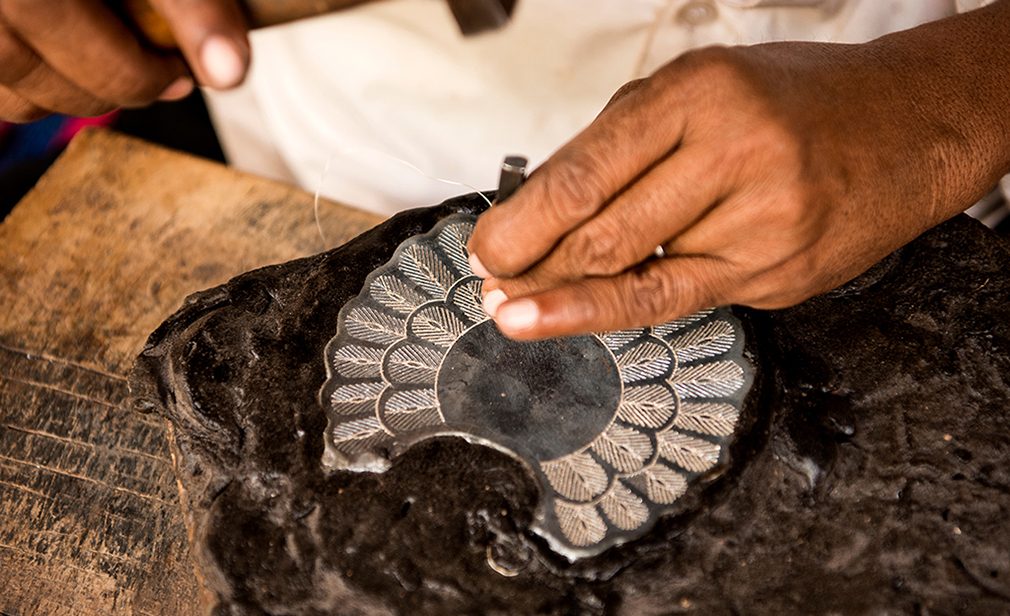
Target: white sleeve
963 6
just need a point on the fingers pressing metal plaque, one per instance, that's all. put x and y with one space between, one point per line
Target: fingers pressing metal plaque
614 426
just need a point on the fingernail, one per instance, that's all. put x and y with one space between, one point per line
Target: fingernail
180 88
493 300
222 62
478 267
518 315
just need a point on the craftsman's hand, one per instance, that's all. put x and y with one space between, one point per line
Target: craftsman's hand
768 174
77 57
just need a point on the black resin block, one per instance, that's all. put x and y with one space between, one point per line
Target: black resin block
867 470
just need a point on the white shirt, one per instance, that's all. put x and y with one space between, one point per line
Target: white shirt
396 80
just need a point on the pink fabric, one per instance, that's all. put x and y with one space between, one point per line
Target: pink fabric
74 125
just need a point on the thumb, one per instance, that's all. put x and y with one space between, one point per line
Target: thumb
213 36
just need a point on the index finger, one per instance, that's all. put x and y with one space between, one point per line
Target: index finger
655 292
578 180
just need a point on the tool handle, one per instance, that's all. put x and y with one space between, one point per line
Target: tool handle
259 13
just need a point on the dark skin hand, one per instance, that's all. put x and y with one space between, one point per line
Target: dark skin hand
769 174
77 57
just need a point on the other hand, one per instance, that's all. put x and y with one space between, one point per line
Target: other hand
77 57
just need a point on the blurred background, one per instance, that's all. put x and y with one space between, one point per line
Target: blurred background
27 150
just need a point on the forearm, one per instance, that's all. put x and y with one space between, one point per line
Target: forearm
955 74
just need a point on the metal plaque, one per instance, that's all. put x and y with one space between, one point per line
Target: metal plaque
614 426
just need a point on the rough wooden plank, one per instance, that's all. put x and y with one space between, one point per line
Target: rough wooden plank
107 245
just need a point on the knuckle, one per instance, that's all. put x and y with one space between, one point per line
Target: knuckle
651 296
22 112
797 221
625 90
597 251
130 84
782 142
769 139
573 187
791 210
15 60
712 66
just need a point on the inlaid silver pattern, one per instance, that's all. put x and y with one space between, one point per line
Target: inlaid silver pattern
615 426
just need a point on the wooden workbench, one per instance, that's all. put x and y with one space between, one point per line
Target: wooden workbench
107 245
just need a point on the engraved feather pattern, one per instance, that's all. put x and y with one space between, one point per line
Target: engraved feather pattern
660 483
423 266
453 239
715 418
688 452
413 364
371 325
681 387
617 339
667 329
358 362
411 409
577 477
397 295
625 449
356 397
649 405
623 508
358 435
709 340
711 380
581 524
437 325
466 296
646 360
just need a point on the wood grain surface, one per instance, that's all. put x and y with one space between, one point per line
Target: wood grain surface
107 245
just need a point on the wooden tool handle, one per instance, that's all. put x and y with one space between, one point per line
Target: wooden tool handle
259 13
